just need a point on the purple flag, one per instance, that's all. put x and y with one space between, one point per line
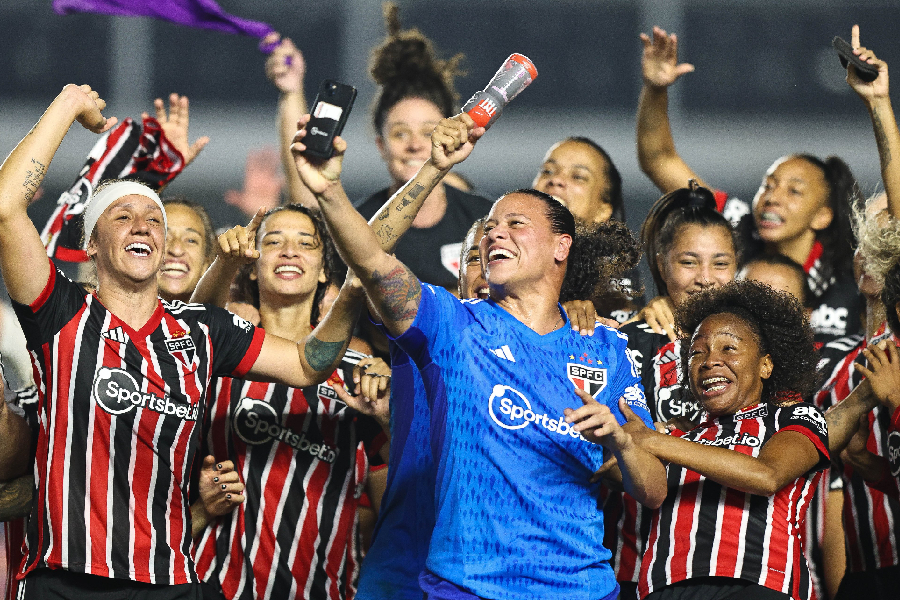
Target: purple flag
203 14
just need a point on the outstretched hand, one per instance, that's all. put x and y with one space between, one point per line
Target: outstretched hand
285 66
883 373
597 424
867 90
239 242
221 489
453 140
175 125
318 176
659 63
90 106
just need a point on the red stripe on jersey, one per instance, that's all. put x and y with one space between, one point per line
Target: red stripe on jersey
246 364
45 293
815 254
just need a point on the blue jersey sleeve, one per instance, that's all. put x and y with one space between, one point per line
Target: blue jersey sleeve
438 320
626 382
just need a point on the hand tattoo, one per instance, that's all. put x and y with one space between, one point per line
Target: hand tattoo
321 355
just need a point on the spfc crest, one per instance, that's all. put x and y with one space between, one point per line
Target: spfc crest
183 349
589 379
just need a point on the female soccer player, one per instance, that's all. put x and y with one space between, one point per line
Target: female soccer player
123 379
497 371
739 483
296 450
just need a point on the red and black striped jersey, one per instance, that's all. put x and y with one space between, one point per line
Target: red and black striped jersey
118 414
627 523
300 454
705 529
870 515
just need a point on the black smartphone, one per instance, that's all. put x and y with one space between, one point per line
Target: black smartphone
329 115
864 70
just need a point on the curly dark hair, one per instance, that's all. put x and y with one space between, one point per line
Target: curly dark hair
405 66
693 205
245 289
890 296
776 318
599 253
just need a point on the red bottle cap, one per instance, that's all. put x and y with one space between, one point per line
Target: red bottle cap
526 62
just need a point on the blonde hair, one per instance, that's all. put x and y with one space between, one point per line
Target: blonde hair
878 236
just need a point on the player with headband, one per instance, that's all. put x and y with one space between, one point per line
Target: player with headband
123 380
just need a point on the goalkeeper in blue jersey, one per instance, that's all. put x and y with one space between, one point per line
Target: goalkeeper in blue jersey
523 407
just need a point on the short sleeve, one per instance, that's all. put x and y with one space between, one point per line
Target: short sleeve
440 315
58 303
236 342
626 383
808 420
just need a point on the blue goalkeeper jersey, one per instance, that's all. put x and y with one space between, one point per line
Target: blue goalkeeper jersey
516 516
402 534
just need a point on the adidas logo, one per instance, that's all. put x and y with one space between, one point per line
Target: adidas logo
116 335
503 352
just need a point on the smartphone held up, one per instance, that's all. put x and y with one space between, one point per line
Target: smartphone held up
329 115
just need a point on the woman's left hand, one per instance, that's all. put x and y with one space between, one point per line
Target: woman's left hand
883 372
372 377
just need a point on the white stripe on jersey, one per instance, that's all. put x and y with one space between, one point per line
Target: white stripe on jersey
880 437
670 554
742 542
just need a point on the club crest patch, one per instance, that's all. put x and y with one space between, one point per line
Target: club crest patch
590 379
182 348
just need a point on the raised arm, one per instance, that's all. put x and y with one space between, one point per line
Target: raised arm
875 95
23 260
656 148
390 285
237 247
286 69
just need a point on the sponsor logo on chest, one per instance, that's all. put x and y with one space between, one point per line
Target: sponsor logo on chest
256 422
510 409
117 392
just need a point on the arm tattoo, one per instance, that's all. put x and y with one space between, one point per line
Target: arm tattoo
400 292
15 497
385 235
881 138
321 355
33 179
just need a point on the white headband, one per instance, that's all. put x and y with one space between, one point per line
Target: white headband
100 202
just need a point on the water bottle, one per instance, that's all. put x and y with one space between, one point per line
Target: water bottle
508 82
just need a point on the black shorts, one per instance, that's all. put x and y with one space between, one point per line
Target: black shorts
878 584
59 584
716 588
